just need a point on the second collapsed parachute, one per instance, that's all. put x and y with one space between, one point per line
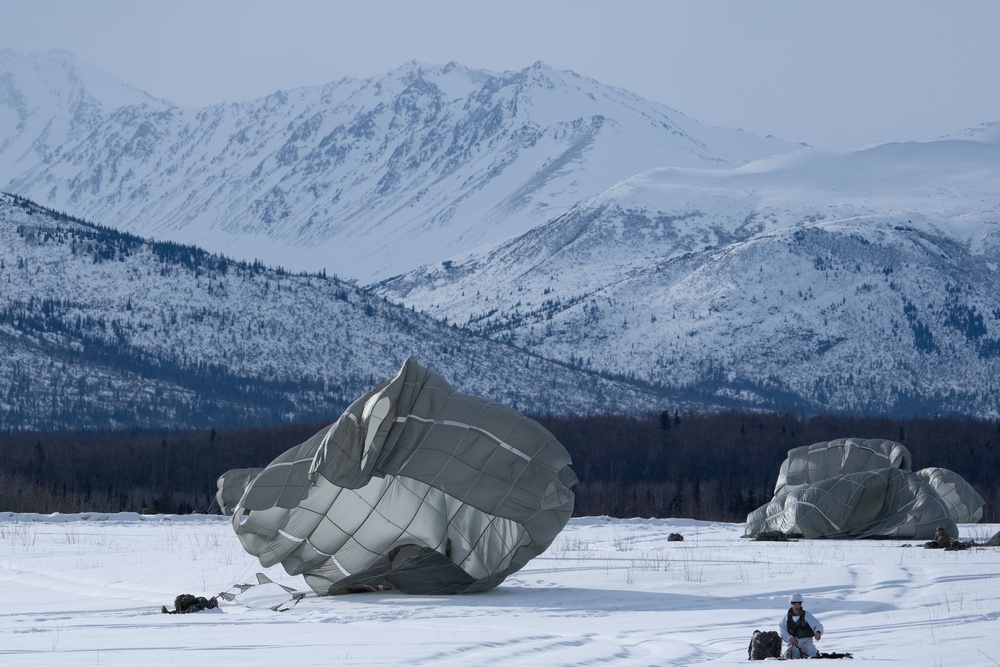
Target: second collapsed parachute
416 487
863 488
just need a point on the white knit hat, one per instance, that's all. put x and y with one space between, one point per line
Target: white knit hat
795 598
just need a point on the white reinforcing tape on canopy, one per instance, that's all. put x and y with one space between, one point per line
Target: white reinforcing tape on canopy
339 566
447 422
299 540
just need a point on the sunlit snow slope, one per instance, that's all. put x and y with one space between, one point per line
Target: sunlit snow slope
365 179
856 281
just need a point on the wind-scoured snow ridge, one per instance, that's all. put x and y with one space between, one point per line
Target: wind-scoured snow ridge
864 281
365 178
103 329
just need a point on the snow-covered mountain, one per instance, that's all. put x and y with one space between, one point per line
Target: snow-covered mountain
365 179
100 328
862 281
50 103
548 211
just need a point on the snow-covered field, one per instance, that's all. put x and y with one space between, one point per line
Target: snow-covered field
87 590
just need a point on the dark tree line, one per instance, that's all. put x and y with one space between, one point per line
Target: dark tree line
721 466
705 466
155 471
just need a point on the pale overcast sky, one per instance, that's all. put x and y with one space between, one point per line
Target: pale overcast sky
838 74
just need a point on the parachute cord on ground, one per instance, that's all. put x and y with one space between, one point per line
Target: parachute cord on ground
294 599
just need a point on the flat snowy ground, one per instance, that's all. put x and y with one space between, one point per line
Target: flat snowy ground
87 590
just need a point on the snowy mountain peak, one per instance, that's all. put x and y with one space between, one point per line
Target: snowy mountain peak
60 75
365 179
578 221
49 102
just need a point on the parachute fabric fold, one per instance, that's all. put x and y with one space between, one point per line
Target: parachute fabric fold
964 504
863 488
415 487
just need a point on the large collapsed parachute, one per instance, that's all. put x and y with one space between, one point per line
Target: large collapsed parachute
856 488
416 487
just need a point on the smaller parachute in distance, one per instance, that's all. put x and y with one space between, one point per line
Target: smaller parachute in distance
863 488
416 487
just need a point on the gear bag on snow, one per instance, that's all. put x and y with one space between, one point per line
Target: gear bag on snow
764 645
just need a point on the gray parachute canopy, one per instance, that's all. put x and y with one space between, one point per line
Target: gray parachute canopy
416 487
851 487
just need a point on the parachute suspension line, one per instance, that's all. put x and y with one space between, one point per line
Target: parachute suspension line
294 599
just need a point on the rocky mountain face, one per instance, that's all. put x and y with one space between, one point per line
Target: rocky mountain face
364 179
566 226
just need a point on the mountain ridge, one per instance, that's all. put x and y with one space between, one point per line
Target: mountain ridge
574 223
681 262
353 175
102 329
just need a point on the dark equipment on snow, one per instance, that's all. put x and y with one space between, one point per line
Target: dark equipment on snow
764 645
189 604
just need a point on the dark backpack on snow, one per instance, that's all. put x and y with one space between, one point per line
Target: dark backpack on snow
764 645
